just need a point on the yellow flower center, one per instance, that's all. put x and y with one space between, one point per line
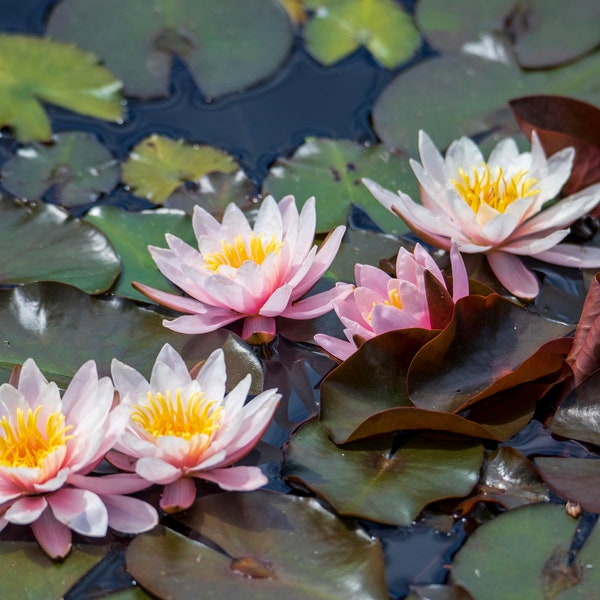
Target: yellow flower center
235 254
161 416
495 191
24 445
393 300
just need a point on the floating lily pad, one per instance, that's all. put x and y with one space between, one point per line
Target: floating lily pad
76 165
131 233
29 574
36 69
339 27
276 545
524 553
159 165
364 480
40 242
331 170
227 45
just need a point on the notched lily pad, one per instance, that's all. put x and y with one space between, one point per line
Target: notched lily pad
76 166
36 70
340 27
41 242
158 165
331 170
227 45
274 546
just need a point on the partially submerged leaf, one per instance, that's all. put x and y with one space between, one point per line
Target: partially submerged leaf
76 166
35 69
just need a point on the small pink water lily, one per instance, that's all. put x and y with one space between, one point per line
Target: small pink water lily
381 303
48 446
240 272
495 207
181 427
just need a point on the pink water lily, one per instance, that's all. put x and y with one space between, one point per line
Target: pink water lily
183 427
497 207
240 272
48 447
381 303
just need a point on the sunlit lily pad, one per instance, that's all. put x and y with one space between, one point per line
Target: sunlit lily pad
331 170
227 45
28 573
524 553
363 480
36 69
276 545
77 166
339 27
158 165
40 242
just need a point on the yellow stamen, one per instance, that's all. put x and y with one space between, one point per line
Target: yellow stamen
495 191
24 445
161 416
394 300
236 253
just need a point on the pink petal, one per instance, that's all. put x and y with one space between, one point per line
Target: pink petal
202 323
157 470
513 274
277 302
127 380
460 278
25 510
52 535
243 479
571 255
341 349
531 245
31 380
318 304
122 461
119 483
263 327
81 510
213 375
174 301
204 223
129 515
178 495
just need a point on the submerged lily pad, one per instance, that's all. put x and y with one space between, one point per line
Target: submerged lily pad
365 480
331 170
41 242
227 45
274 546
339 27
36 69
159 165
76 165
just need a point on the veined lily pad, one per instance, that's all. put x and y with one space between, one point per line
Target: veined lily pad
157 166
364 480
77 165
331 170
227 45
36 69
276 545
41 242
339 27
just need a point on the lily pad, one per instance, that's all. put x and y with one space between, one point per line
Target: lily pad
36 70
340 27
524 554
158 165
29 574
331 170
131 233
227 45
76 165
365 480
41 242
273 546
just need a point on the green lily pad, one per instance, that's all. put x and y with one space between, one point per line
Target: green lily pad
524 555
339 27
470 97
131 233
364 480
40 242
77 165
274 546
331 170
157 166
29 574
36 69
227 45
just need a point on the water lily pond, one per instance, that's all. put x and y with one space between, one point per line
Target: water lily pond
299 298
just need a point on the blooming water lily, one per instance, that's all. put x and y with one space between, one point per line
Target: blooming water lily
240 272
182 427
381 303
497 207
49 445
